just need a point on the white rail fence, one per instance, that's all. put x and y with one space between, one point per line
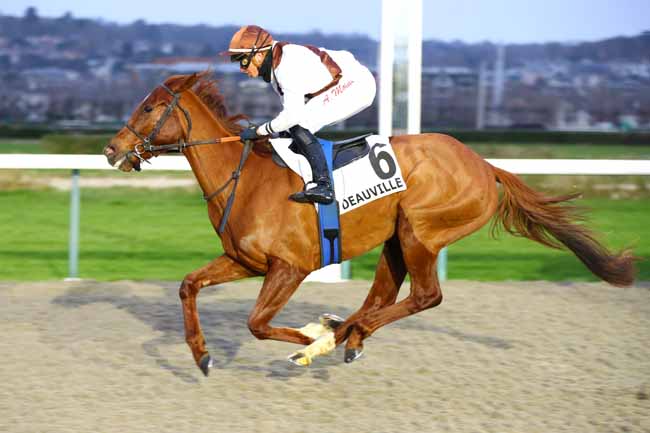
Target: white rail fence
332 273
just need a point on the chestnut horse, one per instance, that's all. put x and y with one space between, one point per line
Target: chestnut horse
451 192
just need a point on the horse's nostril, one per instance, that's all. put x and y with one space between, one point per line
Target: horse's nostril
109 150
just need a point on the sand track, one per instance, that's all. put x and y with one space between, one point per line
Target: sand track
494 357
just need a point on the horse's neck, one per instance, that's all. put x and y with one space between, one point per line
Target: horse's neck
212 164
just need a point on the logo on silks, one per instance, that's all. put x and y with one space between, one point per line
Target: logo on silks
375 176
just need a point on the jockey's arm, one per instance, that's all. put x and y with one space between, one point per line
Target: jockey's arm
293 108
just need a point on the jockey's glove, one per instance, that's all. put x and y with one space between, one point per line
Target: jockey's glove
249 134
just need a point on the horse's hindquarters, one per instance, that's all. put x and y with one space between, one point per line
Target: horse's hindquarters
451 191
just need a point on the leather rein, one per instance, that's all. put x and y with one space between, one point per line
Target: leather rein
146 146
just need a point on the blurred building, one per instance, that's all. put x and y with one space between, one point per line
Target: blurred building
69 69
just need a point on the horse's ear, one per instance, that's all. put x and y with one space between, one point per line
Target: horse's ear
181 83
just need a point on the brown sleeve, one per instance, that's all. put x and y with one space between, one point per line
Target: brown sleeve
333 68
277 53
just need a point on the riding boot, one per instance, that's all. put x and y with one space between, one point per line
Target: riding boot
309 146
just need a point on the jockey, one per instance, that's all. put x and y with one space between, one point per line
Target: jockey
318 87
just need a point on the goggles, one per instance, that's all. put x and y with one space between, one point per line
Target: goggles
243 59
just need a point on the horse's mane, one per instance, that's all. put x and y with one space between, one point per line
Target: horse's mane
207 90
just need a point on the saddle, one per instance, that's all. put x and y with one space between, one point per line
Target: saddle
358 180
337 154
345 151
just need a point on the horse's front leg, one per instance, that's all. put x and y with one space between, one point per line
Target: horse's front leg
220 270
280 283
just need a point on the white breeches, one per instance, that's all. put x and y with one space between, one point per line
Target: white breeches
355 92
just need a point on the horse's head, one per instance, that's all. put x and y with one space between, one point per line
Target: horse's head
158 120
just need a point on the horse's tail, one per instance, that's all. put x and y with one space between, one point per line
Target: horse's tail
547 220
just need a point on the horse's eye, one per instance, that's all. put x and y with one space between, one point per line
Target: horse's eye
148 109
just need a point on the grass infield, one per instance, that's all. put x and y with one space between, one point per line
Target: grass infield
164 234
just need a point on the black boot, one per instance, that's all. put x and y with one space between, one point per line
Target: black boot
313 151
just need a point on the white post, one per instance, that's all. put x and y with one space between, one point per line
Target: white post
481 98
498 83
386 58
73 235
499 77
414 66
442 265
399 27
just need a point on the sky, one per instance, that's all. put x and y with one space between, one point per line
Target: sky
506 21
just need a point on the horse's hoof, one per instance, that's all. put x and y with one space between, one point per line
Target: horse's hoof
331 321
352 355
205 364
300 359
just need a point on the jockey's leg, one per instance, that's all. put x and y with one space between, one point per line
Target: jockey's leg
309 145
354 93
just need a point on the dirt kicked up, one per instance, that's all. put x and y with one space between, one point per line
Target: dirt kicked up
493 357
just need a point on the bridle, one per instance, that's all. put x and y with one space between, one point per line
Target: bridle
146 145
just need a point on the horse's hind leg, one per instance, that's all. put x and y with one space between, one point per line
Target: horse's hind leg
425 288
389 277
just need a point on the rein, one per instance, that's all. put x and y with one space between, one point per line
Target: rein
248 145
146 146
